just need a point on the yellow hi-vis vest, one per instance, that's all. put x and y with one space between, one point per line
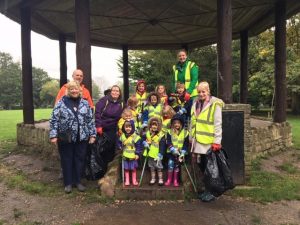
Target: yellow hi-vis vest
187 78
128 144
166 125
178 139
153 144
177 102
204 129
141 100
154 111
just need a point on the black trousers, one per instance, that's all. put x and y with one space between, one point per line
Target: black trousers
203 162
72 158
109 153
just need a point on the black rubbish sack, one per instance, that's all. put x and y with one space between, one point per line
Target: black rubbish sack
217 175
96 165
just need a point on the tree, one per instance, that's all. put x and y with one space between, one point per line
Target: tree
49 92
95 92
10 82
39 78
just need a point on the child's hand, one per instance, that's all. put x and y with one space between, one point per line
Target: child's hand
136 157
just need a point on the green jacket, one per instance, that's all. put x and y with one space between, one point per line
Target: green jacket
181 76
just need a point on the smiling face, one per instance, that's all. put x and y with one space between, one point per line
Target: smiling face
128 128
161 90
203 91
141 87
74 92
177 125
78 76
153 100
115 93
154 127
182 56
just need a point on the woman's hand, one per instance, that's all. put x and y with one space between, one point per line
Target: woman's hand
53 140
92 140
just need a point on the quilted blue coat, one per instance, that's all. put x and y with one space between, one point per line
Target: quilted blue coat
63 118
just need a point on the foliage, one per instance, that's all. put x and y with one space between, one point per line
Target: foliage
48 93
39 78
10 82
95 92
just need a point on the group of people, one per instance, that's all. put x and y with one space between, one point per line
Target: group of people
163 129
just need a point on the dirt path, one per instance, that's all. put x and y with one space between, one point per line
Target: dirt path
20 207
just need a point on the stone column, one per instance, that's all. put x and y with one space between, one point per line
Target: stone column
244 67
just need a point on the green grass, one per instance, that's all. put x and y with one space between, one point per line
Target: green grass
269 187
10 118
288 167
295 123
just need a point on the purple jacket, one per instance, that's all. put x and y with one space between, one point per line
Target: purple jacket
108 113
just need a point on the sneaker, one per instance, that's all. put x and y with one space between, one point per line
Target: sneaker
80 187
160 182
68 189
208 197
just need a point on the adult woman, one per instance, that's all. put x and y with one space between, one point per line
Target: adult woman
186 72
206 128
72 127
108 112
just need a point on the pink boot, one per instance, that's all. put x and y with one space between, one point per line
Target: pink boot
127 181
170 177
133 174
176 183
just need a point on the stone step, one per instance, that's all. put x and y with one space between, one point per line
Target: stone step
147 192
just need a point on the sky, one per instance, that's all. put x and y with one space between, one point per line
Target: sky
45 54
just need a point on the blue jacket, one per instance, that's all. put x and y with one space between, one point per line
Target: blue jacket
63 118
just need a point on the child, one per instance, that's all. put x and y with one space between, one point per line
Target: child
177 142
152 109
161 91
131 145
167 114
125 116
155 148
141 95
132 104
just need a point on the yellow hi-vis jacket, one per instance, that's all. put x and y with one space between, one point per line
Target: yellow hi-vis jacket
178 139
203 125
153 142
141 100
187 77
128 144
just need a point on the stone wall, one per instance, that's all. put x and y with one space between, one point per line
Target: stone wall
36 137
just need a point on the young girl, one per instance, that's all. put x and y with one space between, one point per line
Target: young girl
167 114
125 116
131 145
177 142
161 91
155 145
152 109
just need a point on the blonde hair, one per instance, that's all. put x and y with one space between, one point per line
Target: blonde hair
160 85
168 111
203 86
132 101
126 112
73 84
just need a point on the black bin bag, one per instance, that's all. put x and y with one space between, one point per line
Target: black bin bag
96 164
217 175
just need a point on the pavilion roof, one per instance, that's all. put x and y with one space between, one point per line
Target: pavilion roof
148 24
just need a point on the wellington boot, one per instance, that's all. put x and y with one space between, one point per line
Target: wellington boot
175 182
170 178
133 174
127 181
160 178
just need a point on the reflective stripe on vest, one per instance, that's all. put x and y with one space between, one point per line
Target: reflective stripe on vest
154 112
205 129
187 77
178 140
166 124
129 145
141 100
154 144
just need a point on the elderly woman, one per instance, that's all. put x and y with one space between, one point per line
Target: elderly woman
108 112
206 128
72 127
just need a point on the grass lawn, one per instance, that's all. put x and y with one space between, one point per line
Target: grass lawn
295 122
10 118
